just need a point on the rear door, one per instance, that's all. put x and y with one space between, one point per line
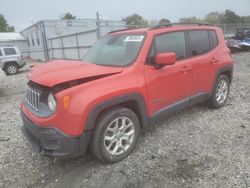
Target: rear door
169 86
203 61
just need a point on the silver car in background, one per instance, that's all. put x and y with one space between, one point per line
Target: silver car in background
10 59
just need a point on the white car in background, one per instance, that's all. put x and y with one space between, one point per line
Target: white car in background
10 59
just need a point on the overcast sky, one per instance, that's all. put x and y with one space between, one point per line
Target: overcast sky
18 12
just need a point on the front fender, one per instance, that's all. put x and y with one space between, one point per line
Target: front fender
137 98
12 60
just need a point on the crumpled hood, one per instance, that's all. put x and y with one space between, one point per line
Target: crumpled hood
61 71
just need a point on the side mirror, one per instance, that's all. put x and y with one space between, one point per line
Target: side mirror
166 59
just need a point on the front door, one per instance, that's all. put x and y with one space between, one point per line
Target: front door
170 85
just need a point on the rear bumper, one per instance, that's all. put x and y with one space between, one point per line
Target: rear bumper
53 142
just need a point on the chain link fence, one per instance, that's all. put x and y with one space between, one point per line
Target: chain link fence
230 29
74 46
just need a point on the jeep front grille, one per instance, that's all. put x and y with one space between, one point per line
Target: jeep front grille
32 98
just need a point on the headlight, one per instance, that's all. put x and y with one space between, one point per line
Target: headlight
51 102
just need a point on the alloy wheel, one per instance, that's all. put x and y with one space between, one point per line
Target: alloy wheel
119 136
12 69
222 91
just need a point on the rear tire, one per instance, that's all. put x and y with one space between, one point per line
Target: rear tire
116 134
11 69
220 93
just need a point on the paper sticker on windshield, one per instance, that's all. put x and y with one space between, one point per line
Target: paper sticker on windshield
134 38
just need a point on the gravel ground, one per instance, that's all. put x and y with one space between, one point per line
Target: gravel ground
197 147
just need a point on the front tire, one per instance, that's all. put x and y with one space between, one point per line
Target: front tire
116 134
11 69
220 94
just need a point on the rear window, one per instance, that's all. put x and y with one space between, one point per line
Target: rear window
214 39
199 42
9 51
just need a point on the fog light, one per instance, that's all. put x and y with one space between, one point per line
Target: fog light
48 131
51 144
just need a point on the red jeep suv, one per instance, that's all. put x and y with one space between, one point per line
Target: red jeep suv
125 81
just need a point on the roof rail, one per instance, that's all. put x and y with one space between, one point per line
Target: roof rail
173 24
125 29
118 30
165 25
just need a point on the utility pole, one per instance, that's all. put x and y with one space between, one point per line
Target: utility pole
98 31
44 40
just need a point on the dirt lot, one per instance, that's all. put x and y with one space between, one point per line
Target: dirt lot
197 147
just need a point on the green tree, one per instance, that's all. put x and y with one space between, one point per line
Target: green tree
214 17
68 16
153 22
135 20
226 17
164 21
245 19
230 17
4 26
191 20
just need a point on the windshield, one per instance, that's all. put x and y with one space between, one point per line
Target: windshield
115 50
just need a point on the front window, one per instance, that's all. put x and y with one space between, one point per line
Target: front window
115 50
172 42
168 42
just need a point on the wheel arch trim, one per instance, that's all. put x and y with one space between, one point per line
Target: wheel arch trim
9 61
227 68
131 97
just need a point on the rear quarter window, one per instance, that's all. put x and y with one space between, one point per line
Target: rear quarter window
199 42
9 51
213 39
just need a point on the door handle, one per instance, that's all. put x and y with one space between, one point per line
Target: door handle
186 69
214 60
